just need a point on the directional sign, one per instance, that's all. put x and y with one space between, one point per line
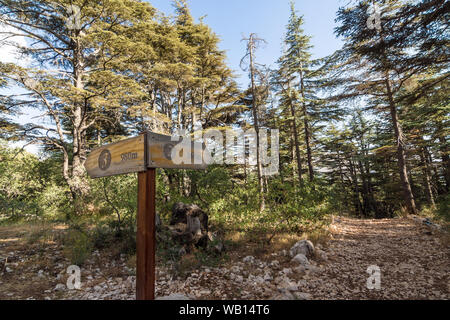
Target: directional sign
149 150
126 156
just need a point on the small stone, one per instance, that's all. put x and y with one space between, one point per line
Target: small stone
300 269
268 277
60 287
287 271
304 247
205 292
249 259
275 264
301 259
289 286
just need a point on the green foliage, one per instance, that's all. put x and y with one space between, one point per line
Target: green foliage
168 251
29 187
77 246
443 208
208 258
104 235
115 196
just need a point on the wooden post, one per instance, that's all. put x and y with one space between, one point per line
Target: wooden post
145 239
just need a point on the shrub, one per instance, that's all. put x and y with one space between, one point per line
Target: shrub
77 246
443 208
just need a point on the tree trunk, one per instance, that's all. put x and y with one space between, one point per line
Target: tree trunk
307 129
77 181
401 157
445 161
357 202
296 142
427 177
256 124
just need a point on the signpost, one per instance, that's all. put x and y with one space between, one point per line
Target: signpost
143 154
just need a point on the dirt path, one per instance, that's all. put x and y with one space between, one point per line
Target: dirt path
414 263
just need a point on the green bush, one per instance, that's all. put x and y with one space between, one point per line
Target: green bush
443 208
77 246
30 188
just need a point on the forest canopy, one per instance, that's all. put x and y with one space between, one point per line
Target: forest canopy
364 131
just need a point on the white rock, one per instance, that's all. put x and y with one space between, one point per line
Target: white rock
301 259
235 269
205 292
60 287
300 269
304 247
259 280
275 264
249 259
302 283
268 277
288 285
287 271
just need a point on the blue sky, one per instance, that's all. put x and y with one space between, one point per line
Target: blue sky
231 19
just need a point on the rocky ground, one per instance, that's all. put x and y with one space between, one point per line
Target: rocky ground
412 257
